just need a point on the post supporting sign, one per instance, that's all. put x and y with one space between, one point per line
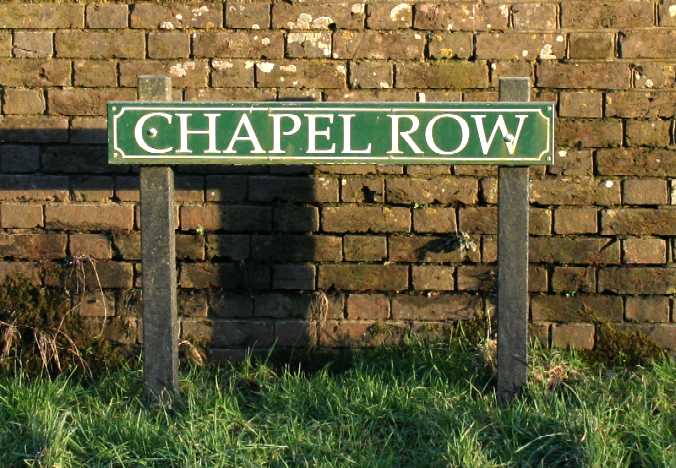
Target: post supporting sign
512 133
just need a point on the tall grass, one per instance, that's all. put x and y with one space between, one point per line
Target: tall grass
420 405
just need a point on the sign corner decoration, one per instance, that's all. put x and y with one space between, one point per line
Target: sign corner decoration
167 133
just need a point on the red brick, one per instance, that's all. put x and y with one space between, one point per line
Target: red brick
37 16
368 307
441 307
23 101
230 94
77 101
654 75
292 247
308 44
183 74
228 333
226 188
644 251
362 189
294 276
451 45
344 15
460 17
33 44
574 250
440 220
371 74
36 246
640 104
567 279
107 16
639 221
592 46
520 46
444 190
442 75
295 333
242 44
366 219
229 246
389 15
435 277
150 15
89 217
583 75
33 188
224 276
229 305
96 304
636 161
476 278
365 248
581 104
245 15
370 95
647 309
27 270
301 74
189 247
289 305
606 14
648 132
588 191
405 45
230 218
573 335
363 277
336 334
575 220
589 133
638 280
663 335
95 73
317 189
579 308
432 249
645 192
5 44
20 216
535 17
667 12
167 45
90 245
34 73
648 44
100 45
296 218
572 163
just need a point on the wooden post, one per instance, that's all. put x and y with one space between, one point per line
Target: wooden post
160 326
512 263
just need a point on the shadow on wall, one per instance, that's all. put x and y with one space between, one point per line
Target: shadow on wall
255 267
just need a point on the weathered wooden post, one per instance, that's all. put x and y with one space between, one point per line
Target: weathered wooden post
160 326
512 263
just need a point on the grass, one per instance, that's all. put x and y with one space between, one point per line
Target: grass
420 405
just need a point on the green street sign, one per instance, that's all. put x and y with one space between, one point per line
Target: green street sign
505 133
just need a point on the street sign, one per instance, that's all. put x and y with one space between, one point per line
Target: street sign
504 133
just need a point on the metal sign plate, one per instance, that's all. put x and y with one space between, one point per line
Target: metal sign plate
166 133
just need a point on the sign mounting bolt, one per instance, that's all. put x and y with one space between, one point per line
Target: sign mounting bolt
509 138
152 132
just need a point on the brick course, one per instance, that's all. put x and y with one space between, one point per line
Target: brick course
325 255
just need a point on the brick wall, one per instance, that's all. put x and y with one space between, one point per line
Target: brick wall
319 255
